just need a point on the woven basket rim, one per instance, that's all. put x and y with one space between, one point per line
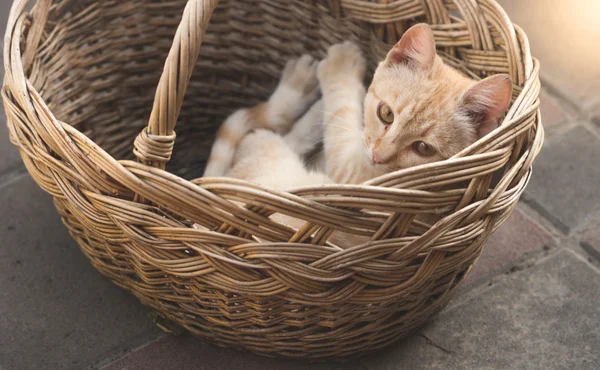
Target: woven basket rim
139 216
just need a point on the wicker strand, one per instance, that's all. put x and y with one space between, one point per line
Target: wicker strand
81 81
175 77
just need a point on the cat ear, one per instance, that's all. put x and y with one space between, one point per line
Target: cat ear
416 48
486 102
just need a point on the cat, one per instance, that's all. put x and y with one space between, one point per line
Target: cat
417 110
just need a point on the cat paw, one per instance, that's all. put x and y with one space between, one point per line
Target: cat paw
297 90
344 62
301 75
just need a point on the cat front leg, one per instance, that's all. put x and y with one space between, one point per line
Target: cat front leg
341 76
307 132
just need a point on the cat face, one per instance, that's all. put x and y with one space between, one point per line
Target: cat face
418 110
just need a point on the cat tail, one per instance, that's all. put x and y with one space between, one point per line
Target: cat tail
229 135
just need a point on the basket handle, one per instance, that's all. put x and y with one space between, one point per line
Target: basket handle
154 145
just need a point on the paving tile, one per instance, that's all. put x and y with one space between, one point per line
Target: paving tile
544 317
553 110
189 353
4 10
9 154
518 236
564 185
56 311
596 115
563 36
591 242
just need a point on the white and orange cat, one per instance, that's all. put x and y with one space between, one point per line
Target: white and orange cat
417 110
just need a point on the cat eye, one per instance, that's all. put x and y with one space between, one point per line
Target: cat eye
385 114
423 149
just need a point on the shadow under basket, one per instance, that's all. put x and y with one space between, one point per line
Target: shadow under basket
82 103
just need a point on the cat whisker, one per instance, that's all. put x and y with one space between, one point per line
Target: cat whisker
348 125
341 127
310 161
353 126
350 113
315 156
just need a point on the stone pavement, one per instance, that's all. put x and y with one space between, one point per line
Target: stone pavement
530 303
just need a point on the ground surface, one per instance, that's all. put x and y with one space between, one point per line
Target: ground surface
531 303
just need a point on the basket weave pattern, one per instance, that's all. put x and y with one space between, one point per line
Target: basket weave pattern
82 103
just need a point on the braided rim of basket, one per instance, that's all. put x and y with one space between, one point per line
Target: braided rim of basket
68 165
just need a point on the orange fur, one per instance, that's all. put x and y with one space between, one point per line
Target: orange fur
297 89
259 114
430 102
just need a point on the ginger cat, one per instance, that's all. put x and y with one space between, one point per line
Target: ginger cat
417 110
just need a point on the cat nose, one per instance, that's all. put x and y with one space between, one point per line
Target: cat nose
376 159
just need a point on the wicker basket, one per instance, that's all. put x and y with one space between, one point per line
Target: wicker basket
81 76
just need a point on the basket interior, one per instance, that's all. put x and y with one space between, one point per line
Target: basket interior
100 61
